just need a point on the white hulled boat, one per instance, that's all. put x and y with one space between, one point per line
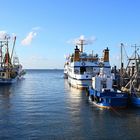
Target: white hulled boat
103 93
81 67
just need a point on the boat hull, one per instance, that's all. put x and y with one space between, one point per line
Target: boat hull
79 83
135 101
7 81
108 99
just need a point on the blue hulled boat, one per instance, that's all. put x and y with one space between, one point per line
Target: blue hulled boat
102 93
108 99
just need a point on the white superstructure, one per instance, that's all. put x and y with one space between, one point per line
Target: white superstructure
81 72
81 67
103 81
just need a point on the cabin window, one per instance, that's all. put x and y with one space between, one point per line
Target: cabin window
89 69
76 71
82 70
104 85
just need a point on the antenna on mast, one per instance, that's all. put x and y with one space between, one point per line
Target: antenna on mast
81 42
122 59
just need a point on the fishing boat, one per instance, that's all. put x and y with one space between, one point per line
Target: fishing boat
81 67
103 94
130 77
9 71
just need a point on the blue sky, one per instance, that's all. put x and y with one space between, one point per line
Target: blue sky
44 27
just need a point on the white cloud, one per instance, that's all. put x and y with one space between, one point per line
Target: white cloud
36 28
3 34
89 40
82 37
28 39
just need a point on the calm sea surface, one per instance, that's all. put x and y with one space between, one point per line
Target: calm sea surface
43 106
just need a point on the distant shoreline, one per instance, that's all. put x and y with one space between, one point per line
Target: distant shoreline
44 69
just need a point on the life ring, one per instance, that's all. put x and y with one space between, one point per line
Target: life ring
101 64
83 63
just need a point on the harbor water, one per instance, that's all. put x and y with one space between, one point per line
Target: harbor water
43 106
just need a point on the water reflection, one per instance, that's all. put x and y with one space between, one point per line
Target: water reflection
44 106
5 91
74 98
74 94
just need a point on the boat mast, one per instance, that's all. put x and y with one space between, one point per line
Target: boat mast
1 53
122 59
6 63
81 42
7 52
122 65
13 47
